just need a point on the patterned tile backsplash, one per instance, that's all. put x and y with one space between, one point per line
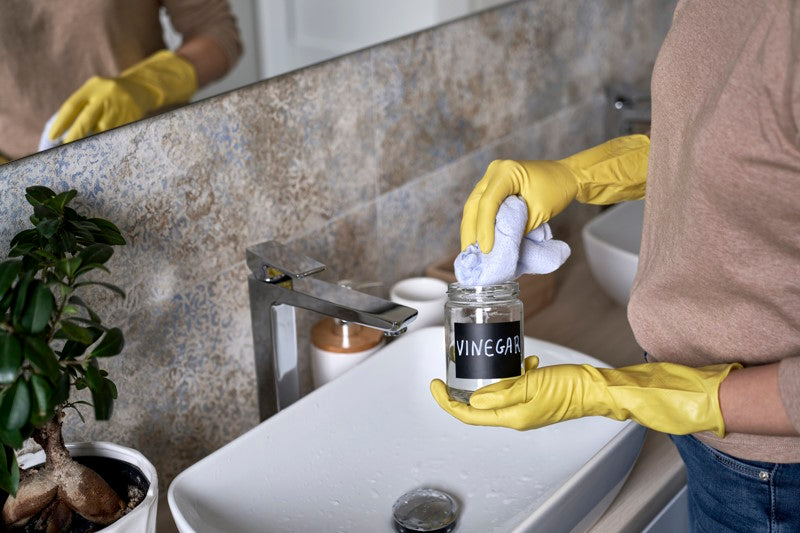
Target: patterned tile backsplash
363 162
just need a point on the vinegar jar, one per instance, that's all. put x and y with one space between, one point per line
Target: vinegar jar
484 336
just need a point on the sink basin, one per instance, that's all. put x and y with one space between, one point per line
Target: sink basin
339 458
612 241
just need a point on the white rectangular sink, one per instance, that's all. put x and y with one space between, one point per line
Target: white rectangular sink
612 240
339 458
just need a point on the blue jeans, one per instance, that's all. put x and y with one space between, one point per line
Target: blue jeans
730 494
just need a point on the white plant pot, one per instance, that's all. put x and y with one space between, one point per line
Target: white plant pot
143 517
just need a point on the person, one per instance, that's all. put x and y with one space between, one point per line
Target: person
98 64
716 300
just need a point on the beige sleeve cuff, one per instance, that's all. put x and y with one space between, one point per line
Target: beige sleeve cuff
789 385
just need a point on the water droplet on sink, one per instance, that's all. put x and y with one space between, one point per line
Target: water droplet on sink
335 503
463 474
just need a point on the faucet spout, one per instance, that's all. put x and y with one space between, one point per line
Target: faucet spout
279 283
348 305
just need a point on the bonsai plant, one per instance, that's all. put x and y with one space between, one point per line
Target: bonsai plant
51 342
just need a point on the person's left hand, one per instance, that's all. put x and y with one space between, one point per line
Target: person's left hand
666 397
162 79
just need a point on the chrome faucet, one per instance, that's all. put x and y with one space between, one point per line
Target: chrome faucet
279 282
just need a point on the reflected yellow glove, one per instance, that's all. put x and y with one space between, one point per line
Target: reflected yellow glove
608 173
100 104
666 397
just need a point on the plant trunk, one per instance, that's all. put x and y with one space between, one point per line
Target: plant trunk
53 491
50 438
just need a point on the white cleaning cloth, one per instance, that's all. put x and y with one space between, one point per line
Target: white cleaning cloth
45 143
513 254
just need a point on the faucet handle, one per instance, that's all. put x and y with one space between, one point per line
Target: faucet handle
273 255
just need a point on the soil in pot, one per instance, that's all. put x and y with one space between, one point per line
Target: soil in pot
127 481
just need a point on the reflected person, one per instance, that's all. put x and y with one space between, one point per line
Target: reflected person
716 298
99 64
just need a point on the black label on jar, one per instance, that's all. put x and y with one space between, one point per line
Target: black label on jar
488 351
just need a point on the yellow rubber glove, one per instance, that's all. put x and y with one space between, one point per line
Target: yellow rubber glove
666 397
608 173
100 104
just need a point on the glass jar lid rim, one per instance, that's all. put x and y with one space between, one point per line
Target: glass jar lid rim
505 289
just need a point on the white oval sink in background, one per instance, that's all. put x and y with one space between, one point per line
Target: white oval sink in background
339 458
612 240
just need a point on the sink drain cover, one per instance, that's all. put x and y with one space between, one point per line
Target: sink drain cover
425 510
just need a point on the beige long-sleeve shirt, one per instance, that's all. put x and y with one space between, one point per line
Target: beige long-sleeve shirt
49 49
719 268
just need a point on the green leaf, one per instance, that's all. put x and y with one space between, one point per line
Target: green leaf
102 284
15 406
93 378
10 357
20 295
111 344
96 253
111 387
103 400
88 268
71 214
8 273
75 332
22 249
84 231
28 236
68 243
43 256
38 194
44 212
38 309
12 437
73 349
5 301
68 266
103 392
61 390
42 398
42 357
89 322
77 300
69 310
9 470
48 227
59 201
109 233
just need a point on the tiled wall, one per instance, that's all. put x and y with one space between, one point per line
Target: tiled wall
363 162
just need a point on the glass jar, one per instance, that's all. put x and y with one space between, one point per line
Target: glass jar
484 336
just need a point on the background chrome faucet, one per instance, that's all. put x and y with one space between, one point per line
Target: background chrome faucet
278 284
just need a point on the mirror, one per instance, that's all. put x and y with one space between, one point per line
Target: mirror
279 36
284 35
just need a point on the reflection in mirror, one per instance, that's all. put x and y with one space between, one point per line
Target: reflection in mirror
277 36
284 35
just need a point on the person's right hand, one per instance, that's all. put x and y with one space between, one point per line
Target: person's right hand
608 173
